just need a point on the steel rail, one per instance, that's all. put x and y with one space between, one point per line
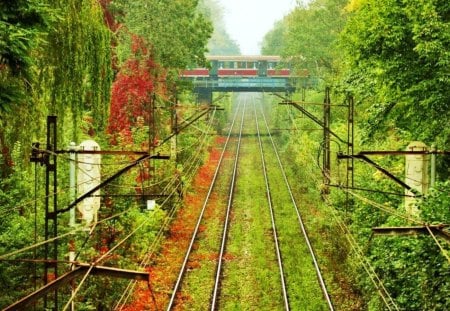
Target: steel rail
182 271
272 216
216 291
174 184
300 220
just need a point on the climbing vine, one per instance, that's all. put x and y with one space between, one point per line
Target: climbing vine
132 92
77 64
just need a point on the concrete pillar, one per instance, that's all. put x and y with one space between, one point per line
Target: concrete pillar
205 97
88 177
416 174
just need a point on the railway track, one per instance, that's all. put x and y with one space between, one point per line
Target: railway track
233 277
220 167
294 205
272 213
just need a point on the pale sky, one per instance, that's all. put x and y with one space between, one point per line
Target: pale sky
247 21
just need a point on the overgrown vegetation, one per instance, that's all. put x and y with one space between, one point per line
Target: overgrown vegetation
108 74
108 70
392 56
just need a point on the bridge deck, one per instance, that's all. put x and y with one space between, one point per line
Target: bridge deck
241 84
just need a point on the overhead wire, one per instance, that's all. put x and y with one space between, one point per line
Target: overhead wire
410 218
82 229
363 261
442 249
195 127
389 210
61 190
193 163
365 264
394 212
32 202
35 245
67 158
155 241
117 245
150 251
100 259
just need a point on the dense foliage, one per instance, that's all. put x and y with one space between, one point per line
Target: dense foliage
153 20
307 35
21 24
132 92
96 65
393 57
397 53
108 69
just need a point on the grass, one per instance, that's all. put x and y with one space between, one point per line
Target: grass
303 287
251 279
199 280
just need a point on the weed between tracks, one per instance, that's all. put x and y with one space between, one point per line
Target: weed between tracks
251 278
251 281
199 281
165 266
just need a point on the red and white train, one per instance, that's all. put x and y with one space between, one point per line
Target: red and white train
241 66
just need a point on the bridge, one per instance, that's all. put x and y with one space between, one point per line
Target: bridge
243 74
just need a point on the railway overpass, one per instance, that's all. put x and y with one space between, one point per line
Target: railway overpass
243 74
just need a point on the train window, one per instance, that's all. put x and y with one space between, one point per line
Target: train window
229 65
272 65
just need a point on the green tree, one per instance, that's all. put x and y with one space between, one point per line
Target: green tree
175 30
398 57
274 41
22 26
75 70
308 35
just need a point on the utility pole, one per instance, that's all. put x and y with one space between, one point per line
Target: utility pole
350 181
350 140
327 132
48 157
73 195
326 142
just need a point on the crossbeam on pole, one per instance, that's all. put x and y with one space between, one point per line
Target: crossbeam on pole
416 230
69 276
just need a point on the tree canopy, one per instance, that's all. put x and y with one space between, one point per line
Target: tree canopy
21 25
398 55
308 35
175 29
393 57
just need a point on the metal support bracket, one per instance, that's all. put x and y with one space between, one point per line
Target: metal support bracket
69 276
381 169
398 231
313 118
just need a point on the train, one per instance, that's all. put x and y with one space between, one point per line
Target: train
242 66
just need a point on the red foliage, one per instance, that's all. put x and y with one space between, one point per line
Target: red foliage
164 271
131 92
